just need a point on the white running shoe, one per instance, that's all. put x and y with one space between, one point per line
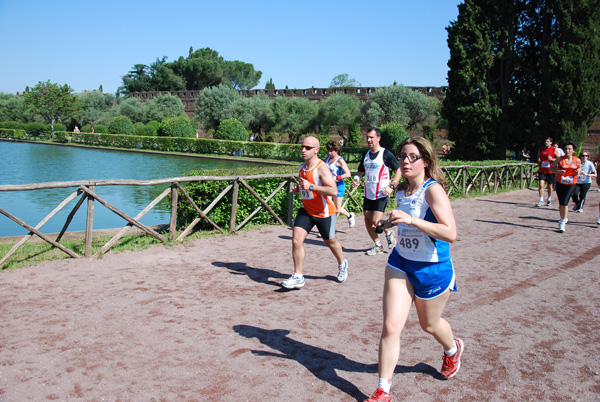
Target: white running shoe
539 204
343 272
375 250
351 220
598 222
391 239
293 282
561 227
549 203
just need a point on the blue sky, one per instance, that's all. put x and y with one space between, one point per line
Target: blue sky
87 43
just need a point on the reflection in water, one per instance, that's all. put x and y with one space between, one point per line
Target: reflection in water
22 163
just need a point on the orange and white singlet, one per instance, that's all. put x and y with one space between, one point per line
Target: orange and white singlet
570 176
316 204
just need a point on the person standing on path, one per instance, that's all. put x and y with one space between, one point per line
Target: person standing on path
339 169
584 181
419 270
546 156
377 166
316 186
568 168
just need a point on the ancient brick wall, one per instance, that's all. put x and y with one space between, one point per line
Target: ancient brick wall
189 97
591 143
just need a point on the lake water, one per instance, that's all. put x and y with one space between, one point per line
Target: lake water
23 163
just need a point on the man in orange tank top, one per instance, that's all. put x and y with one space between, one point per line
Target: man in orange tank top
316 186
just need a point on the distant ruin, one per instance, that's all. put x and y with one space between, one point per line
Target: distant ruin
591 143
189 97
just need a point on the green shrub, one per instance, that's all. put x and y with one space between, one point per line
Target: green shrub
143 130
121 125
429 132
392 134
203 194
35 129
180 126
62 136
101 129
155 124
17 134
13 125
353 135
231 129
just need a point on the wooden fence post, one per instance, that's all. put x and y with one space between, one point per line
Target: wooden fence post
173 221
290 202
234 201
89 225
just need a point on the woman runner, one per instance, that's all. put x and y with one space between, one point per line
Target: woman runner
419 270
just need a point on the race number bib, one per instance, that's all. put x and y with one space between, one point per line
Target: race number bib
410 241
566 179
306 194
371 179
545 164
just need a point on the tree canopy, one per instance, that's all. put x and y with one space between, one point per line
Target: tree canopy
201 69
343 80
52 101
398 104
520 71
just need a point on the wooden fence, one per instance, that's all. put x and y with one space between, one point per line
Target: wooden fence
461 180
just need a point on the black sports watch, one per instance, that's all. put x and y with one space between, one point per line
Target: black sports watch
311 187
393 186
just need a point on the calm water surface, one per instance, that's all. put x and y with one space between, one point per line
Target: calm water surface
22 163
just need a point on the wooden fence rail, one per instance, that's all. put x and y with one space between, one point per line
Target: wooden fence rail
460 180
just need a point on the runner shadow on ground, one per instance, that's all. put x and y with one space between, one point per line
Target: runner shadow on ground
319 242
262 275
528 226
322 363
517 204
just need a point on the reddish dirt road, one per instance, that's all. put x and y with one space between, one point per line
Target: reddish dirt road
207 320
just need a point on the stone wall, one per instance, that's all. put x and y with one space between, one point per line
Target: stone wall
189 97
591 143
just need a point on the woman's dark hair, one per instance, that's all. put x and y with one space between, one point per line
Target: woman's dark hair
334 146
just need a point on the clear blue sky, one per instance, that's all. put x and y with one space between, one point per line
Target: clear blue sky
87 43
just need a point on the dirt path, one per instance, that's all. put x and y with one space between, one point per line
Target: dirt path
208 321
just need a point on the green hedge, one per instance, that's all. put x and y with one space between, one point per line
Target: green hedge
260 150
203 193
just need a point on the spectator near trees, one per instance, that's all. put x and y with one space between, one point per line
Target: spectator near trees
520 72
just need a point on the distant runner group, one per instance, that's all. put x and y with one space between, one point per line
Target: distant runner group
570 175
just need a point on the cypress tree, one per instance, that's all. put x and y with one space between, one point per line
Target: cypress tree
521 71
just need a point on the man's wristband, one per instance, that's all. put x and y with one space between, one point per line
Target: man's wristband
338 177
412 220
